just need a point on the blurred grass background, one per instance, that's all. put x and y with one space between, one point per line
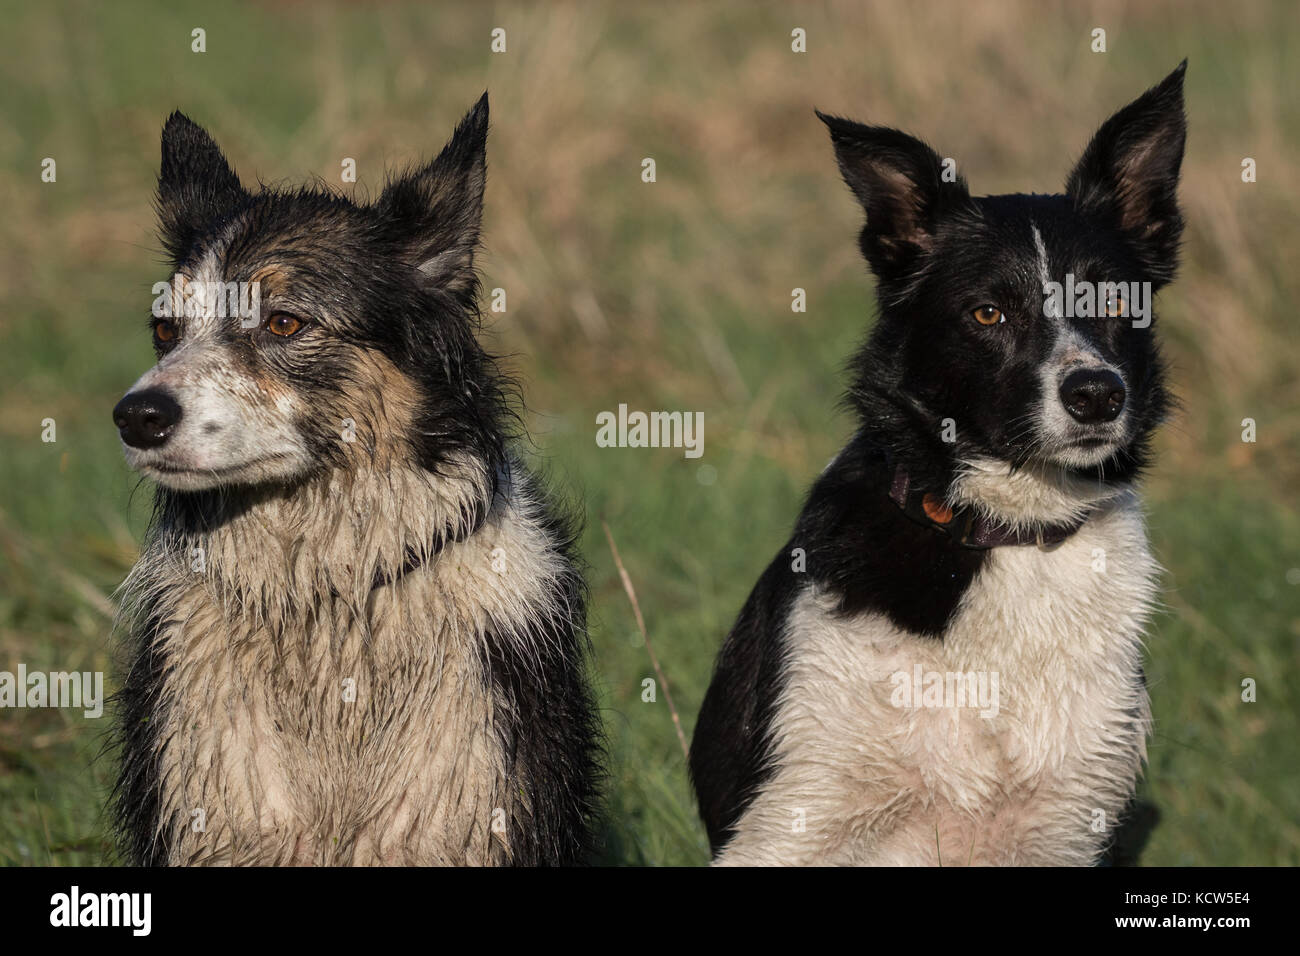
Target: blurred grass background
671 295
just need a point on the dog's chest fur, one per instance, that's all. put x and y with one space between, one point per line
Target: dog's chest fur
348 735
312 720
858 779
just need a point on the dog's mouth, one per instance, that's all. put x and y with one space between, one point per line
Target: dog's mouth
1091 443
1083 451
181 477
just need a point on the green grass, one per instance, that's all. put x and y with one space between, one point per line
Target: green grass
666 296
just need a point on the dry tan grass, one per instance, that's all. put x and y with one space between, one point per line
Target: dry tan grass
601 268
747 203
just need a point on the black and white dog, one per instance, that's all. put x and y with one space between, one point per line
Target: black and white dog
943 665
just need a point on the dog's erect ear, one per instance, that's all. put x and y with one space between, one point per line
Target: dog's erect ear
1128 175
196 186
435 210
900 183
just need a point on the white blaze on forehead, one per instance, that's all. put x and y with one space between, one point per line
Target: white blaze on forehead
1044 273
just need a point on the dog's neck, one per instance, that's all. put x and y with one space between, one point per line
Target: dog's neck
1022 499
285 550
970 527
1028 497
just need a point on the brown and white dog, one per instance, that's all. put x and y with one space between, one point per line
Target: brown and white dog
356 625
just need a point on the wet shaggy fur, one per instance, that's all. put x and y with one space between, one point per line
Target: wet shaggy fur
356 628
802 753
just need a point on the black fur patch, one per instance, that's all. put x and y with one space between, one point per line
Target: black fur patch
546 715
137 798
731 746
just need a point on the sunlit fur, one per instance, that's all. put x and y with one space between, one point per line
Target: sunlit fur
356 628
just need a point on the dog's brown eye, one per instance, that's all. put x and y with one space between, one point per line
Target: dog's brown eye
283 324
164 331
988 315
1115 305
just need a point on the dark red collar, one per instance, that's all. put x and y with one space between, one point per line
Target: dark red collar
966 526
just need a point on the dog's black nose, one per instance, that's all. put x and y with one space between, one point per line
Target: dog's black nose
1093 395
146 419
